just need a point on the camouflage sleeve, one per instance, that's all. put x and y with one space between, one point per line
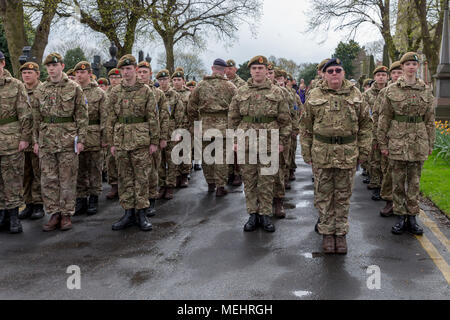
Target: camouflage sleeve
36 110
284 121
103 118
306 131
25 115
429 121
180 113
111 119
152 117
234 115
376 115
164 117
297 107
192 108
364 133
385 115
81 114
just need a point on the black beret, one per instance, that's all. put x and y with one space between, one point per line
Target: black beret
220 62
331 63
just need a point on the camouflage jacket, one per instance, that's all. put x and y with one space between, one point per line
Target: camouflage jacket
96 133
237 81
15 110
185 93
177 111
31 101
209 102
129 102
372 107
407 140
64 99
265 100
330 113
162 108
295 110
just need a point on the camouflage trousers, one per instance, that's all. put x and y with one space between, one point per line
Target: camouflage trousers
406 186
89 181
334 189
32 179
167 172
184 168
112 169
11 180
155 158
59 181
282 174
375 168
258 189
386 182
215 173
234 168
134 169
293 153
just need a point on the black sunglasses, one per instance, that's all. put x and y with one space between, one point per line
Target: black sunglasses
330 71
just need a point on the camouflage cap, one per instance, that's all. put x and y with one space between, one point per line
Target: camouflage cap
144 64
331 63
103 81
367 82
322 64
409 56
82 65
191 84
178 74
70 72
394 66
261 60
381 69
53 58
164 73
231 63
126 60
114 72
29 66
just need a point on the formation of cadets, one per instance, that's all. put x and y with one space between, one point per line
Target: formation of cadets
60 136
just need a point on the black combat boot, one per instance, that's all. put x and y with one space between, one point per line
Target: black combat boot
27 212
141 218
4 219
413 227
38 212
93 205
376 194
252 223
197 167
126 221
266 223
366 180
400 225
151 211
316 227
81 206
14 223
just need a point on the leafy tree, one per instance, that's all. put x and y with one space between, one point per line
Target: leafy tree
72 57
191 63
347 52
290 66
244 71
307 72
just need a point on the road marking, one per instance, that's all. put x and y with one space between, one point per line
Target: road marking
301 293
438 260
435 229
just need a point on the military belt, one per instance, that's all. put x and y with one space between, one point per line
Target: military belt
131 120
8 120
218 114
335 140
409 119
58 119
94 122
262 119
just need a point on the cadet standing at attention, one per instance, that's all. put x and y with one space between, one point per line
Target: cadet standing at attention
336 135
61 119
406 133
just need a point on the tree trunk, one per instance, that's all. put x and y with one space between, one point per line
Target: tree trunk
11 12
170 58
386 31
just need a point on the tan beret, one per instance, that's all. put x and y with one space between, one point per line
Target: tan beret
163 74
29 66
103 81
144 64
179 69
381 69
191 84
280 73
126 60
70 72
178 74
114 72
367 82
82 65
261 60
231 63
322 64
395 65
409 56
53 58
289 77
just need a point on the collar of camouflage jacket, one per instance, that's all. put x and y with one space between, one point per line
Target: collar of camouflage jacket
214 76
419 85
61 83
375 88
134 87
31 90
91 85
345 88
6 77
265 85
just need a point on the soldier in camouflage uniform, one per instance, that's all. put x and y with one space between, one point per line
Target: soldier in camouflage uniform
32 175
103 84
191 85
178 85
90 161
71 74
295 128
177 120
15 136
380 75
260 105
336 134
396 72
133 134
366 165
406 133
317 80
60 118
115 78
209 104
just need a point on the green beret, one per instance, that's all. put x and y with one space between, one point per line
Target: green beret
409 56
395 65
367 82
163 74
191 84
144 64
29 66
82 65
114 72
126 60
178 74
320 65
71 72
103 81
53 58
261 60
231 63
380 69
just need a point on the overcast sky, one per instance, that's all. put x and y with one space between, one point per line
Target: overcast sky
281 32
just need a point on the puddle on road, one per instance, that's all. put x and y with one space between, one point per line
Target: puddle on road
301 293
303 204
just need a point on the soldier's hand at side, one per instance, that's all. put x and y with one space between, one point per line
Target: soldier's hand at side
235 147
385 152
281 148
375 146
36 149
163 144
153 148
23 145
80 147
113 151
104 145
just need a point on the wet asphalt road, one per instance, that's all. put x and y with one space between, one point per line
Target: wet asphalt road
198 250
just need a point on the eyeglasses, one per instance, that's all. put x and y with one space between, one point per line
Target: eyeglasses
331 71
